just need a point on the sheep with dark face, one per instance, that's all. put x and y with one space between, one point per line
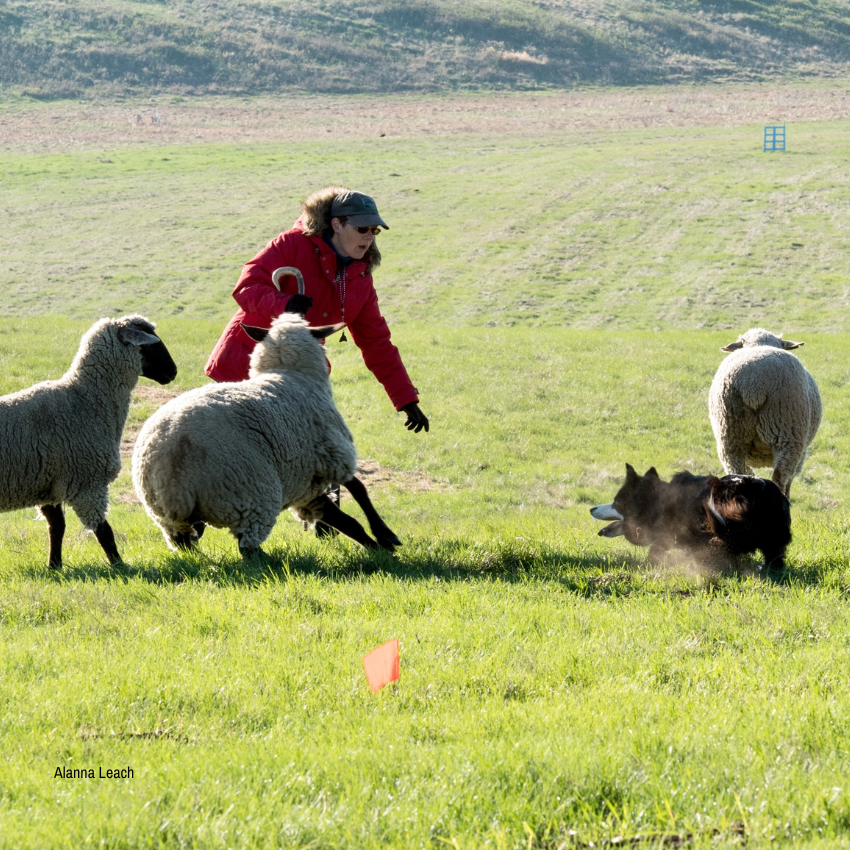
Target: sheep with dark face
764 407
59 440
234 455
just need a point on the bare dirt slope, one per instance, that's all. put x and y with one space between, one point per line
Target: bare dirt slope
63 125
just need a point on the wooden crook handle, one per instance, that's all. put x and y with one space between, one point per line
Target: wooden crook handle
277 274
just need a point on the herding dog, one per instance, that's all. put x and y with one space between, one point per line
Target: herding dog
713 519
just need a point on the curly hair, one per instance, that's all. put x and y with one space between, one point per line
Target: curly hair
316 219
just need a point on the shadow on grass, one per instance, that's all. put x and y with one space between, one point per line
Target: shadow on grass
586 574
278 564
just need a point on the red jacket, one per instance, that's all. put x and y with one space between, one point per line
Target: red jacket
259 302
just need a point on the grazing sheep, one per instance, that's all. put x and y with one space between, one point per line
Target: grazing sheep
764 407
59 440
234 455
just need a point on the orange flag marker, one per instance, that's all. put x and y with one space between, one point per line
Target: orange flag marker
381 665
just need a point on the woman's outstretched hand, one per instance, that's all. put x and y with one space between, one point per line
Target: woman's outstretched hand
416 419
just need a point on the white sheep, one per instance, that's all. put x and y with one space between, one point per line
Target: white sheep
764 407
59 440
234 455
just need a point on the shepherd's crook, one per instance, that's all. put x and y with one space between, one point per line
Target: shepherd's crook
277 274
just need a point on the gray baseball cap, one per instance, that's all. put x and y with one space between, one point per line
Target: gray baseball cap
358 208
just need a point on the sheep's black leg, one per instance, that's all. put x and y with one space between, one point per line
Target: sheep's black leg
184 540
105 536
335 518
322 529
188 540
379 528
55 517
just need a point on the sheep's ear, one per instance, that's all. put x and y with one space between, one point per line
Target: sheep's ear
733 346
326 330
630 472
788 344
136 336
651 473
257 334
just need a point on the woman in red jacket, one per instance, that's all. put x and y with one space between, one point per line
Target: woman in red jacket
333 246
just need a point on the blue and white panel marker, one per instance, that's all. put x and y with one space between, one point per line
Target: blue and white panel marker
774 138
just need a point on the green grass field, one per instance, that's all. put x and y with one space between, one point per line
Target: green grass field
560 302
663 228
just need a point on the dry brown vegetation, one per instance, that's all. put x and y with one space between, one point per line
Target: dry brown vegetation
75 125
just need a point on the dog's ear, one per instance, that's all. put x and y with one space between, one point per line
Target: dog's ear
630 472
651 473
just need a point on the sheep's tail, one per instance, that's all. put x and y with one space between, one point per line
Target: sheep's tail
277 274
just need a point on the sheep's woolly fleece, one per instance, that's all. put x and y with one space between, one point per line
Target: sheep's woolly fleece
234 455
59 440
764 407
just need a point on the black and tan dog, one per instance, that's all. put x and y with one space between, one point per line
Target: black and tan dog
714 520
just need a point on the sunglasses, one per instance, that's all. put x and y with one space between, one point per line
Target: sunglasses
375 230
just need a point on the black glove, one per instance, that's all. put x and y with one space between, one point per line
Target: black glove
416 419
298 304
